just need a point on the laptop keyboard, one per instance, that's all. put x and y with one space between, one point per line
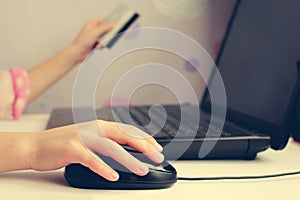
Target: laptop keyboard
173 126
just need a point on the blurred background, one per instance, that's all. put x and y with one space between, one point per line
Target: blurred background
34 30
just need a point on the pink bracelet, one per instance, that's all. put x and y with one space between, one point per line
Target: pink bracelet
21 89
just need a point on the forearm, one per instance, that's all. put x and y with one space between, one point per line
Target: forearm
46 74
16 150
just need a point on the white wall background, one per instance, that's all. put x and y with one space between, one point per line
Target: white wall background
34 30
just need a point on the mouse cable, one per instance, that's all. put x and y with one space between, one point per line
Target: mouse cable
238 177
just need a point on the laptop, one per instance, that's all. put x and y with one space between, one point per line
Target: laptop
258 64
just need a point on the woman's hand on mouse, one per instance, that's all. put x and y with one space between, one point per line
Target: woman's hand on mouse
59 147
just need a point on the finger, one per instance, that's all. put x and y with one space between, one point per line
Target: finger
134 137
137 138
146 148
154 143
111 149
141 141
99 20
88 159
98 46
101 30
134 134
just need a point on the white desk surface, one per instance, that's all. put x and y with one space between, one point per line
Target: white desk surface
52 185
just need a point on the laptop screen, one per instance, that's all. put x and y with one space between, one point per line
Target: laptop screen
258 60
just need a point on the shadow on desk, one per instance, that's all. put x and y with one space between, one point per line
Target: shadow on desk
53 177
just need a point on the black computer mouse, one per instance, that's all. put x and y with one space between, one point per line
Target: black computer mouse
160 176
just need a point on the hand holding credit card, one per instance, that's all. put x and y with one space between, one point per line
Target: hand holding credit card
122 17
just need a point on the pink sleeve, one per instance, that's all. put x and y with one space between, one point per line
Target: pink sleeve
14 90
21 90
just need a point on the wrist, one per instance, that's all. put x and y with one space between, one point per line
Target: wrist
73 54
17 150
29 148
78 51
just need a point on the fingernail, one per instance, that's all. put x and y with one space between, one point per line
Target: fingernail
143 170
99 46
159 147
158 157
114 176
